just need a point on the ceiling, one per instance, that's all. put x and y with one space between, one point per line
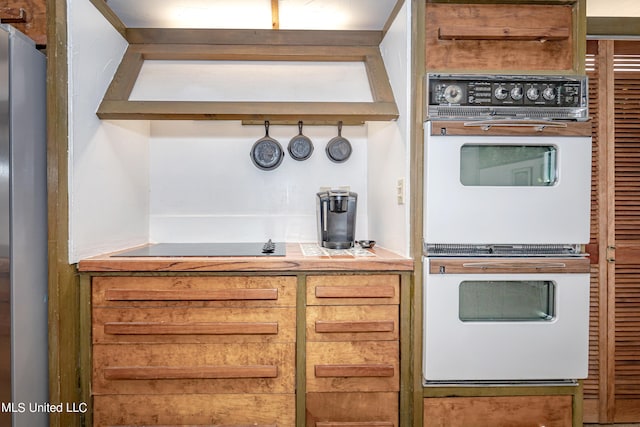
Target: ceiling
256 14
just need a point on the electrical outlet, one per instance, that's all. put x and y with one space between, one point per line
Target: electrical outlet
400 191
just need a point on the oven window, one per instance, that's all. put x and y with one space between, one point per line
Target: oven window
508 165
507 301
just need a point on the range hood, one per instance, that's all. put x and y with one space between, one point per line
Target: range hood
279 59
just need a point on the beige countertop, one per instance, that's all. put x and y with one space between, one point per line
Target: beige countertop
376 259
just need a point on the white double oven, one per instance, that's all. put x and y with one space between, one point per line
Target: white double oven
506 214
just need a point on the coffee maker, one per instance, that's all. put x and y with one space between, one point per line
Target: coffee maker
336 218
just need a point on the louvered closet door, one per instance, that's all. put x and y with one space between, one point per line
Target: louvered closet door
626 381
612 390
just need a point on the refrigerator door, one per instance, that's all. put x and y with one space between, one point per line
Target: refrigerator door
5 280
23 229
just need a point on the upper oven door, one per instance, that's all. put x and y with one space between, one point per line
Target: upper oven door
529 187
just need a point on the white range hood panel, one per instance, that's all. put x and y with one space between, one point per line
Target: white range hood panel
246 81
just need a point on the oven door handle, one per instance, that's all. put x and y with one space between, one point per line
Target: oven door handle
537 125
514 265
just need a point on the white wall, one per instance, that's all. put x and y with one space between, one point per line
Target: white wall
389 144
108 160
204 187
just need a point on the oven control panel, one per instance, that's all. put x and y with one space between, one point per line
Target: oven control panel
513 93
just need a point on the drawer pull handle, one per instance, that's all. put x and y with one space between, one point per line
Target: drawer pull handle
366 370
355 292
197 372
335 326
191 295
502 33
354 424
210 328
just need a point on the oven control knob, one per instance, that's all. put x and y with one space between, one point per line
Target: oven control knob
501 93
533 93
516 93
453 94
549 94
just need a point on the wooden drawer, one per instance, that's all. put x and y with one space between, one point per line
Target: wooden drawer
490 37
503 411
256 410
193 325
353 366
352 323
193 368
353 290
352 410
194 291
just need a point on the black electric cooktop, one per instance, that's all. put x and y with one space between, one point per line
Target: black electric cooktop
208 249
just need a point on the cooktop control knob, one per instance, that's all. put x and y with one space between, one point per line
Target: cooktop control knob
453 94
516 93
549 93
501 93
533 93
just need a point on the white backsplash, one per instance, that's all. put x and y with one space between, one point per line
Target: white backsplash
204 187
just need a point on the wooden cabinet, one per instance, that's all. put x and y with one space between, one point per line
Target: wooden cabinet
184 350
240 349
498 411
482 37
352 350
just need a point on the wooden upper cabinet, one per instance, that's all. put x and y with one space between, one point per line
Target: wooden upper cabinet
506 37
28 16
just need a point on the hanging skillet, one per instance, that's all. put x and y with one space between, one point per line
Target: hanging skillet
267 153
300 147
339 148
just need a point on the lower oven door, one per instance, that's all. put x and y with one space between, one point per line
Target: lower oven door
506 320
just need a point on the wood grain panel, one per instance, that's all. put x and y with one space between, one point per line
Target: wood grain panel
354 370
191 295
513 411
509 265
193 325
353 289
355 292
488 39
352 409
510 33
343 326
352 323
294 261
253 37
196 409
484 128
208 328
204 291
187 359
34 21
381 355
195 372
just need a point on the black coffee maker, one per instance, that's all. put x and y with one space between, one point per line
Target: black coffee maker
336 218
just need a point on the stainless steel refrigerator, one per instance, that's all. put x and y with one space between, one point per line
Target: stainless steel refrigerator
23 232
